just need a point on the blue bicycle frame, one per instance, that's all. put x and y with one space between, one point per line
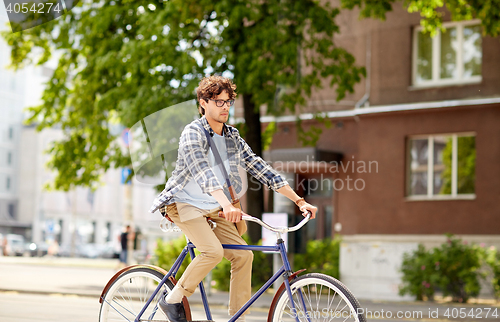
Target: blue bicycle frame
284 271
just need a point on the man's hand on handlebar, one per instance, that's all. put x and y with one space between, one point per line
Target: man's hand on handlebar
231 213
307 208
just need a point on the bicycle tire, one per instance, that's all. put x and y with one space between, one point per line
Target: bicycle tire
328 307
129 293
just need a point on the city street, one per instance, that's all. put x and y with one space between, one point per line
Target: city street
18 307
22 307
68 289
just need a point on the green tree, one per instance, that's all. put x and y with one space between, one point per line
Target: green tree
123 60
432 11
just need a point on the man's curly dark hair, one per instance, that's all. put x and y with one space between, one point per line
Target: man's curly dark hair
211 86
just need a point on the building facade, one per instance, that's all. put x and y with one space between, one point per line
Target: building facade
72 219
13 97
80 217
419 146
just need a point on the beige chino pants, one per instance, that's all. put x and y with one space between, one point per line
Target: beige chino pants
208 242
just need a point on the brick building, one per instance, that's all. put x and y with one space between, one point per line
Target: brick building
427 121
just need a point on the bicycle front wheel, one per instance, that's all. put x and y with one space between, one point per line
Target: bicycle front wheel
130 292
317 297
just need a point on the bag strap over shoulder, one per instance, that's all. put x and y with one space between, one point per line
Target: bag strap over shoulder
220 164
241 226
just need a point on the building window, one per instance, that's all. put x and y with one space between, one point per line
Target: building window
11 133
9 158
451 57
441 166
12 211
7 183
108 232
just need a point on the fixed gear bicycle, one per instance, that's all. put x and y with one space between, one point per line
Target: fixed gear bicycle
133 293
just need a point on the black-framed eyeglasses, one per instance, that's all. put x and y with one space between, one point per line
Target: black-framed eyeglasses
220 103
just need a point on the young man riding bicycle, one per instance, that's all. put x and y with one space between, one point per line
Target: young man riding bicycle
194 192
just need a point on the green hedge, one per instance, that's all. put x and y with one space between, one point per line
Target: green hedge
321 256
455 268
493 260
167 252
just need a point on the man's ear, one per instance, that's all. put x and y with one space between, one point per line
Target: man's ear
203 102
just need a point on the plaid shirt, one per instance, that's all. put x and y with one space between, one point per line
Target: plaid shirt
192 162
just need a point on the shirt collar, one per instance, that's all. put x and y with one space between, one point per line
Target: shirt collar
205 124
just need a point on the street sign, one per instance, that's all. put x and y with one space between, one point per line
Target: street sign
125 173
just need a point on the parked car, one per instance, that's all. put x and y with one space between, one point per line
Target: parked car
38 249
15 245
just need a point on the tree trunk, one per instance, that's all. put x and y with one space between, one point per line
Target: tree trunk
253 136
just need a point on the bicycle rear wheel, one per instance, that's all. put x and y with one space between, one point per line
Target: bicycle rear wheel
129 293
316 297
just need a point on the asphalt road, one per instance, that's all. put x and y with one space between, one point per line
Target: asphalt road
21 307
18 307
67 290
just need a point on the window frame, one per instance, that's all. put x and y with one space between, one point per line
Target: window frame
430 168
436 57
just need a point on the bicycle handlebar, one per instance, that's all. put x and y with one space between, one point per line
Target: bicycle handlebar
167 226
277 229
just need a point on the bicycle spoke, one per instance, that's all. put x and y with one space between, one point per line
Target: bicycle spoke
333 301
116 309
309 297
126 292
346 318
154 312
129 309
329 305
319 299
129 293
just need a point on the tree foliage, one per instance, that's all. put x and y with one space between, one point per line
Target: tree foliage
432 11
123 60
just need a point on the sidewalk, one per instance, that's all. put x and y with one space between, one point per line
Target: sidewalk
77 277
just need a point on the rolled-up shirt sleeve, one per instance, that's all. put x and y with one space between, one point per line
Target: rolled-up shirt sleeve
259 168
196 160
